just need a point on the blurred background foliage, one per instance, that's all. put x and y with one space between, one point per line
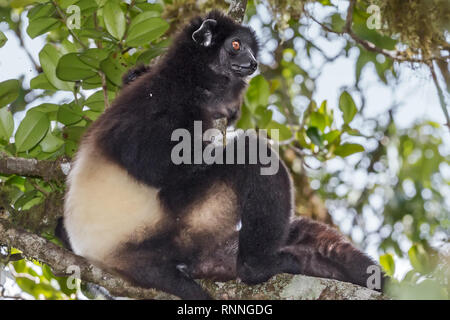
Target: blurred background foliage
386 187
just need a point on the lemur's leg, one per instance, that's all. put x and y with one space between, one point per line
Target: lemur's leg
265 207
158 269
322 252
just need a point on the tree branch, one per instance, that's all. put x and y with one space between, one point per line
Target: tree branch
282 286
48 170
19 35
59 259
237 10
440 94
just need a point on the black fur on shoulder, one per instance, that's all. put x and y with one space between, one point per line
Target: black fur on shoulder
134 73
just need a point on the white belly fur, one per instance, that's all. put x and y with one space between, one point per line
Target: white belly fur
105 206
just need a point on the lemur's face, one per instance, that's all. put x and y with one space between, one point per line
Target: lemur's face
236 54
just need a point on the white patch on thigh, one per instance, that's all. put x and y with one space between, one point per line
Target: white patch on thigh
106 207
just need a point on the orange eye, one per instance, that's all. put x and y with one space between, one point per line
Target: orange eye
236 45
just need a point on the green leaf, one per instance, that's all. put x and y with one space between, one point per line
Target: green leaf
22 3
284 133
146 28
92 83
51 143
41 26
69 114
337 23
87 7
388 264
73 133
94 34
92 115
301 138
31 130
317 120
347 106
347 149
43 10
96 101
3 39
349 130
258 93
6 124
360 28
9 91
143 17
49 108
419 258
93 57
145 6
114 19
331 136
146 56
363 59
49 57
41 82
68 46
263 116
70 148
314 135
114 69
245 122
71 68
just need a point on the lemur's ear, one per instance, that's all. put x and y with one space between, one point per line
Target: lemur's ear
203 35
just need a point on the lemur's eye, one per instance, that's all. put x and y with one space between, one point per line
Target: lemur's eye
236 45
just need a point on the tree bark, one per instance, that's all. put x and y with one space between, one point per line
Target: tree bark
282 286
47 170
237 10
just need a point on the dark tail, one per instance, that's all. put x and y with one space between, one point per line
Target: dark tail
322 251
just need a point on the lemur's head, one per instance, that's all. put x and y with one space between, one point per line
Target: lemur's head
235 46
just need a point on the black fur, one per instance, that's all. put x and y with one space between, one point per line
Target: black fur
134 73
135 133
61 233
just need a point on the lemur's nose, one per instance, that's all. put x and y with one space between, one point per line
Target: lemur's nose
252 65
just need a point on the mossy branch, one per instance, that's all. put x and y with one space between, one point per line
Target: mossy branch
45 169
282 286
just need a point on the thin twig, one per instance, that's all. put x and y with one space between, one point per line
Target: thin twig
19 35
64 19
440 94
104 88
